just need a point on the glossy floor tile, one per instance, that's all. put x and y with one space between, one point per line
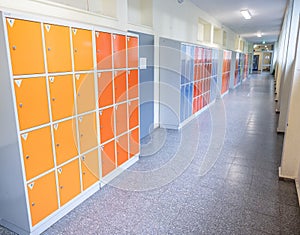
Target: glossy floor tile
218 175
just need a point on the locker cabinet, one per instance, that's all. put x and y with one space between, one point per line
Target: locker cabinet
65 141
25 46
108 160
134 142
105 89
119 49
31 102
104 50
132 52
85 92
133 84
90 169
61 96
120 84
121 119
69 181
82 49
122 149
107 120
58 48
133 107
42 197
37 152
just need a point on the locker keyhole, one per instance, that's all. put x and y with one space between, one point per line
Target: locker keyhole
27 157
14 48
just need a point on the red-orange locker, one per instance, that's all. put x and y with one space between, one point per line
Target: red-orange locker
107 120
133 84
133 107
120 86
122 149
134 142
108 159
105 89
133 52
195 106
119 49
121 119
104 50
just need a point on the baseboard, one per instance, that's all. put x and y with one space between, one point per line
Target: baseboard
298 190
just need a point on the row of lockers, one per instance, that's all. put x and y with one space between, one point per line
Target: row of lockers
57 48
201 102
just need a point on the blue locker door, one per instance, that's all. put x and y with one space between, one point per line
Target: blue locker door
183 64
182 106
186 101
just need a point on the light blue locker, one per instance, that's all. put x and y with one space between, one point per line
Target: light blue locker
182 103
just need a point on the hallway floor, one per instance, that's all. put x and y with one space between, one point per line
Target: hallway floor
218 175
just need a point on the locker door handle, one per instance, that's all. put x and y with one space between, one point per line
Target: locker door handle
33 204
27 157
14 48
83 173
76 50
49 49
21 105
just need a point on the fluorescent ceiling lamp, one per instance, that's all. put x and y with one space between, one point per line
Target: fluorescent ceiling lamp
259 34
246 14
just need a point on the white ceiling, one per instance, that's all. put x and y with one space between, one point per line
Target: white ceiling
267 16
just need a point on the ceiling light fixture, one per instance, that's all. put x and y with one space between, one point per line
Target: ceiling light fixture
259 34
246 14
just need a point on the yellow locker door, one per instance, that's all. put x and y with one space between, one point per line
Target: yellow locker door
121 119
120 86
134 140
37 152
82 49
42 197
122 149
69 181
58 48
65 138
133 114
61 96
105 89
133 84
133 52
32 102
108 158
90 169
85 92
26 46
87 132
107 120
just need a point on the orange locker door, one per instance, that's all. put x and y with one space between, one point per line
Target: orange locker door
90 169
103 50
37 152
134 140
105 89
85 92
32 102
122 149
69 181
108 158
61 96
133 52
58 48
133 114
87 132
121 119
133 84
120 86
26 46
65 138
42 197
82 49
119 47
107 124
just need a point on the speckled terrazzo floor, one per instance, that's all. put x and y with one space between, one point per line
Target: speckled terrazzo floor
218 175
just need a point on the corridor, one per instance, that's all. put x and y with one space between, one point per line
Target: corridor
220 183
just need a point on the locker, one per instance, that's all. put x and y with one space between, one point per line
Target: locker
133 107
58 48
108 159
26 46
122 149
65 138
182 103
105 89
195 106
82 49
103 50
107 124
190 100
90 169
119 48
85 92
120 86
134 140
121 119
37 152
32 102
133 84
69 181
87 132
42 197
133 52
186 101
61 96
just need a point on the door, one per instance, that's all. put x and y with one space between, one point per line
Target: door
120 86
134 140
122 149
119 49
58 48
37 152
255 62
31 102
133 84
61 96
82 49
87 132
42 197
65 138
69 181
133 107
108 159
133 52
107 122
85 92
121 119
90 169
26 46
104 50
105 89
